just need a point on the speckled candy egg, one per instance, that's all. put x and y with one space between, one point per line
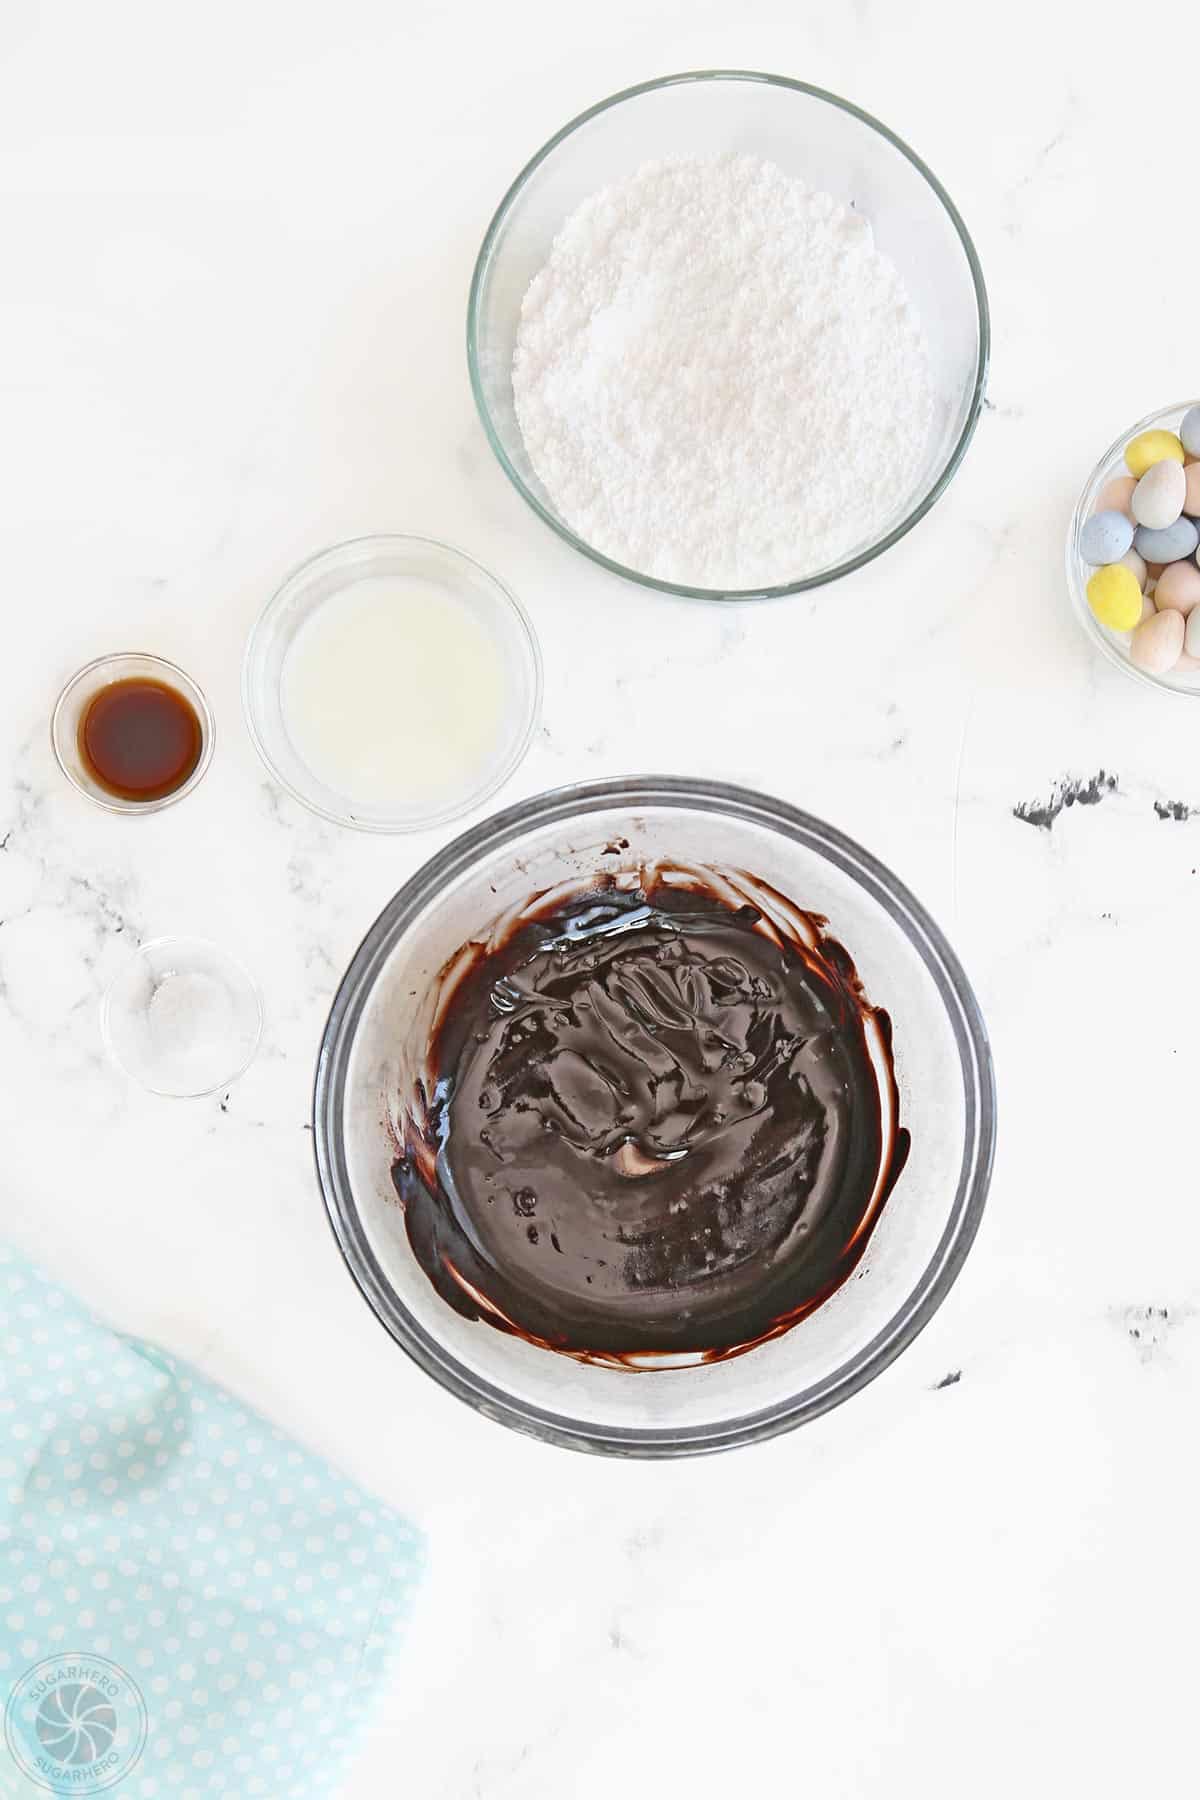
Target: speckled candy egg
1105 538
1115 597
1157 643
1137 568
1178 588
1189 431
1191 493
1116 494
1167 545
1149 447
1158 497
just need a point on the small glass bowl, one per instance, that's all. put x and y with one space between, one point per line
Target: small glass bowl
305 589
183 1017
77 696
1115 644
827 142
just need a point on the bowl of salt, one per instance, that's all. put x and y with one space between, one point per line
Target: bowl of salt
183 1017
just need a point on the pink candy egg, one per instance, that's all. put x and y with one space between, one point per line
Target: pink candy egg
1191 496
1116 495
1157 643
1178 588
1136 567
1192 636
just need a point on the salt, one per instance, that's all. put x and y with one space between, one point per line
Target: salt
191 1022
719 379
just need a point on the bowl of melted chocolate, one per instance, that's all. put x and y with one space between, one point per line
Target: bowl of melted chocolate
654 1117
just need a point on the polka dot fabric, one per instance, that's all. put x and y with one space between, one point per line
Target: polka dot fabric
149 1518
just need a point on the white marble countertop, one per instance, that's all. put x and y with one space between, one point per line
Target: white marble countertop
237 241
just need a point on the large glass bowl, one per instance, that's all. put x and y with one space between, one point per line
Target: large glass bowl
828 143
380 1025
1115 644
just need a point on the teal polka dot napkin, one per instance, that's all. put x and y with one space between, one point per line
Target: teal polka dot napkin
190 1605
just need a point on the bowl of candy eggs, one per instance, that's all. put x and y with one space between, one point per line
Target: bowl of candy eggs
1132 569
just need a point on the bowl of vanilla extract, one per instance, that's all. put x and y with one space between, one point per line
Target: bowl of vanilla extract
132 732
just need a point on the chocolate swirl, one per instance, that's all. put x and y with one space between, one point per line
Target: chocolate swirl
658 1125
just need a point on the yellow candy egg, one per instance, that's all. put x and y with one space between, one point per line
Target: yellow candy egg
1115 597
1151 447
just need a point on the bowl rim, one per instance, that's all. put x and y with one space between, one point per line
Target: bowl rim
1076 580
173 676
971 1041
347 551
560 527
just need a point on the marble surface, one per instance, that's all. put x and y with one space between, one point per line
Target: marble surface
237 241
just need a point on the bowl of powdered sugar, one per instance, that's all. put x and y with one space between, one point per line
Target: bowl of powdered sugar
728 335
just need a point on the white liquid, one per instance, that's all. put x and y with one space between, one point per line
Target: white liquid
394 693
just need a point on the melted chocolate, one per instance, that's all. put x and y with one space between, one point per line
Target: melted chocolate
658 1125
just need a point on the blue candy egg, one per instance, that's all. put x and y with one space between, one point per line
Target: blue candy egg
1189 431
1168 545
1105 538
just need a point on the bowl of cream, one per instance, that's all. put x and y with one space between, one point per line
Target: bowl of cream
391 683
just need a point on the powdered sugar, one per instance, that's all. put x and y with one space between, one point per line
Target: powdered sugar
720 381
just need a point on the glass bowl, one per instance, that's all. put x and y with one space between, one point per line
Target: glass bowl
1115 644
77 696
517 661
379 1028
829 143
182 1017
